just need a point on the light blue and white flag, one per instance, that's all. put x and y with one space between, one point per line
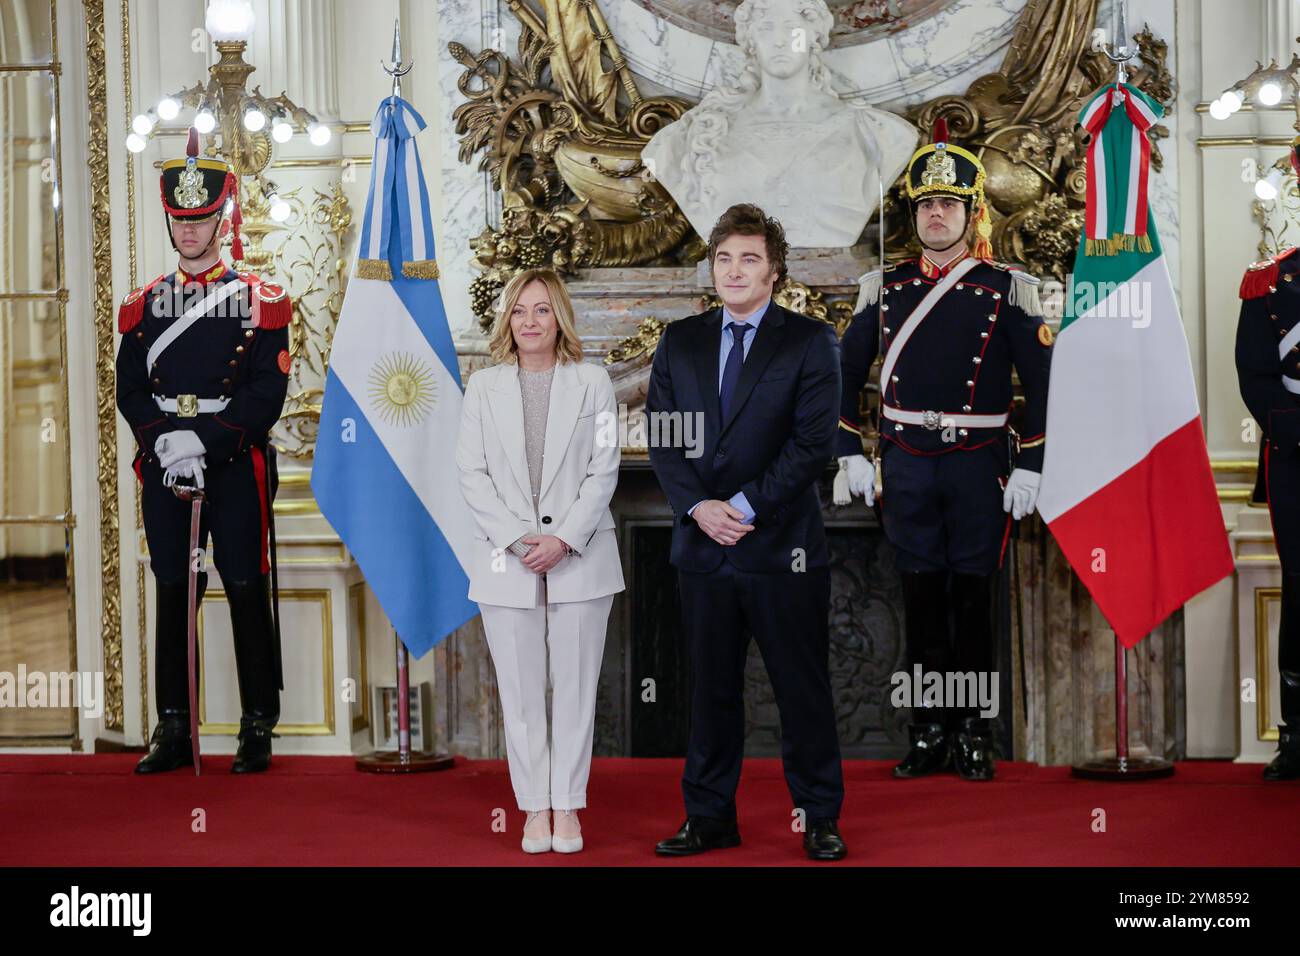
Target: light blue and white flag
385 472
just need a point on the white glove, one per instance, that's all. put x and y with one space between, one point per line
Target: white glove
1021 493
174 446
185 468
856 477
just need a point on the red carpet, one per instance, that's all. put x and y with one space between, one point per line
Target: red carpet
92 811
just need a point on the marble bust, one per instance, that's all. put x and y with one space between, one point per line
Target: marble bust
782 137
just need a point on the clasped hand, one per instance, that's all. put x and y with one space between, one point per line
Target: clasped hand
181 455
721 522
547 551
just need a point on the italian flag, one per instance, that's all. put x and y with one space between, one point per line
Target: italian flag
1127 489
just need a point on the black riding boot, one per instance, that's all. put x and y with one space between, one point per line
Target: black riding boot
1286 765
256 662
973 601
972 751
170 746
925 603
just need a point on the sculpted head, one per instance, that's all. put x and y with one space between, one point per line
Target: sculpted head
784 36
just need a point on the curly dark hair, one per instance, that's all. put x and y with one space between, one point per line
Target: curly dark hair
746 219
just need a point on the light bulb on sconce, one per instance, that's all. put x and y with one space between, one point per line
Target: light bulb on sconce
279 208
229 21
281 131
1270 94
254 120
1268 187
168 109
205 122
319 133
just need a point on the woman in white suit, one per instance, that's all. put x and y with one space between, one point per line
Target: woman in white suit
538 464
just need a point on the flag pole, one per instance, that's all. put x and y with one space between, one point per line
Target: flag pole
402 760
1122 766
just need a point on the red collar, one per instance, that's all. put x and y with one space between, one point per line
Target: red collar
932 271
211 275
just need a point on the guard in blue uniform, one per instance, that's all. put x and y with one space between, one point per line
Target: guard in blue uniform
949 326
202 372
1268 372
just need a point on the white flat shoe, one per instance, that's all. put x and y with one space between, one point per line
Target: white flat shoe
563 845
535 844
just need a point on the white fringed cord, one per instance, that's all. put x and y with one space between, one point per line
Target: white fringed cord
868 290
1024 293
840 487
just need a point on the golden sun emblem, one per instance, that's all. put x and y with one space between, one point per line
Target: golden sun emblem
402 389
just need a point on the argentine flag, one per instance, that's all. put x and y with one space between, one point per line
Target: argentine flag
385 471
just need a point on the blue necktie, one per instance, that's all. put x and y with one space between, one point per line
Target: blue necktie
731 371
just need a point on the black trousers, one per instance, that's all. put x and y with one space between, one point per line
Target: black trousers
950 629
944 512
234 514
787 614
1282 474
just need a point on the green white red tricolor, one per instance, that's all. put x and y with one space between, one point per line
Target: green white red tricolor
1127 489
1118 161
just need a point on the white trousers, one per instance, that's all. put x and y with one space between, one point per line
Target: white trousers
564 642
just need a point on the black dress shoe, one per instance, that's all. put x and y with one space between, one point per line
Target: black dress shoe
929 753
973 750
254 754
699 834
169 746
1286 765
822 841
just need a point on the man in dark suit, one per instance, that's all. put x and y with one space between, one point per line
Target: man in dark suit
748 541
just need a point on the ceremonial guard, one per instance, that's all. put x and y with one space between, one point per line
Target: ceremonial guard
202 373
950 325
1268 372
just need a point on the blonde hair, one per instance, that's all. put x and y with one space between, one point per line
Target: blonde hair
568 346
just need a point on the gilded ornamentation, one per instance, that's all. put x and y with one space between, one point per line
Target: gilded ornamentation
190 193
1279 219
310 262
110 624
940 169
565 154
546 144
644 342
1021 122
132 281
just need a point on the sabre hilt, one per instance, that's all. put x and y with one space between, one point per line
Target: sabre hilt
188 492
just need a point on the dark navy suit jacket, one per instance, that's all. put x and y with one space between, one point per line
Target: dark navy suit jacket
774 446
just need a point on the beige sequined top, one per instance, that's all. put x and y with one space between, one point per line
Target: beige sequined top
535 387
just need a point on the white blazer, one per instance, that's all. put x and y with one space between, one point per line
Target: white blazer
578 478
